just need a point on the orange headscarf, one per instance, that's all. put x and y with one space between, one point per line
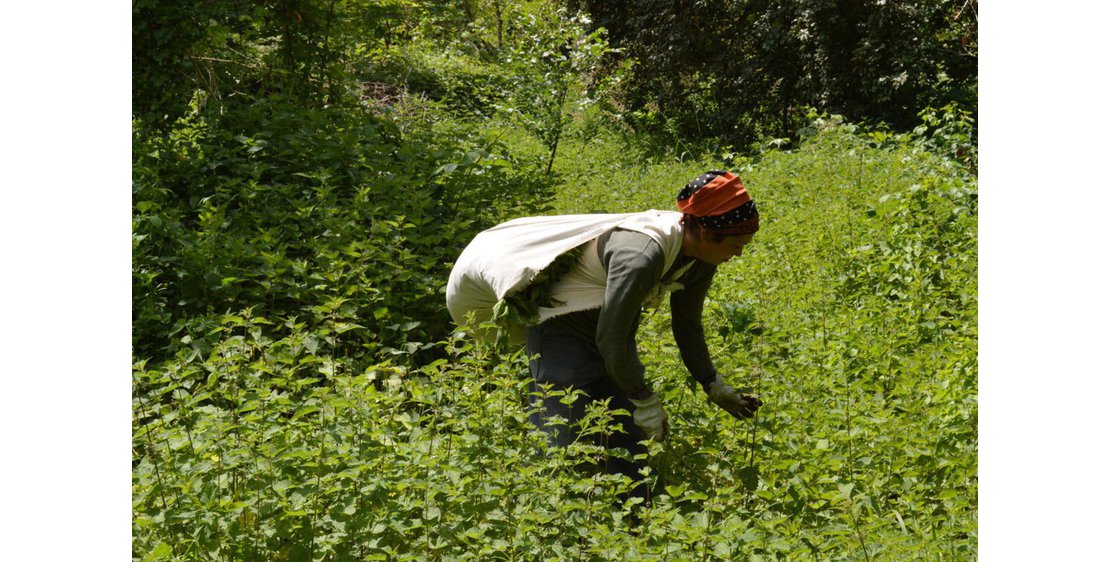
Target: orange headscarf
718 200
713 193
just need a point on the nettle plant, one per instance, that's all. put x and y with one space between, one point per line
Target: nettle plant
272 449
330 215
852 316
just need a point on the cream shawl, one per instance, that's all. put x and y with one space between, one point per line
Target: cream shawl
505 258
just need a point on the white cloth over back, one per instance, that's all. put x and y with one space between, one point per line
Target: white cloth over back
507 257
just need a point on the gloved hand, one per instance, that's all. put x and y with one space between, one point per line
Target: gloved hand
739 405
650 417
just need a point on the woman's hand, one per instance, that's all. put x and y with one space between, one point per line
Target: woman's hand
650 417
739 405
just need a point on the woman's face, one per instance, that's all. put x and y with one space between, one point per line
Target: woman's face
717 253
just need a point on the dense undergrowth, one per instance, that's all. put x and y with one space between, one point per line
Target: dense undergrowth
853 316
300 394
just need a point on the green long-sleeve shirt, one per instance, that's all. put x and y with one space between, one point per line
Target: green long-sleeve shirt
634 264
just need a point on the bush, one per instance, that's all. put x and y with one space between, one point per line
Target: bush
328 215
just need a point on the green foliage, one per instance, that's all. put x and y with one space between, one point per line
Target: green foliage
953 133
305 174
276 450
521 308
288 210
742 70
852 315
452 76
308 51
854 312
555 55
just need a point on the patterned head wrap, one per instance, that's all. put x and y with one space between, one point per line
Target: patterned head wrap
717 200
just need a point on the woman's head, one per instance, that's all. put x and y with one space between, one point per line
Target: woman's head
718 202
719 217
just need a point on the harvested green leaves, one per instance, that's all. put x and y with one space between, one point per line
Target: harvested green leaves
522 307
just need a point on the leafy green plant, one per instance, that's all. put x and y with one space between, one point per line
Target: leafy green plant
325 214
951 131
549 65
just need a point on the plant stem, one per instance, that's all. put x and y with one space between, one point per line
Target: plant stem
157 470
859 532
